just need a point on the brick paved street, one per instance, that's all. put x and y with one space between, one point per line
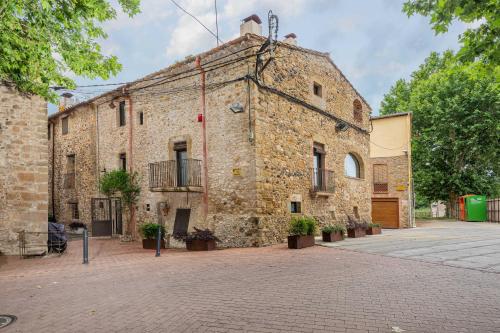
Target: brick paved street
127 289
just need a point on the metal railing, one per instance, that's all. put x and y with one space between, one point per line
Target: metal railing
69 180
175 174
380 187
322 180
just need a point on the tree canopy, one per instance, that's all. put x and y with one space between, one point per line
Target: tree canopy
42 41
478 43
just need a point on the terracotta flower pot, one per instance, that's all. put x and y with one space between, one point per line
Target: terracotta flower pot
200 245
299 242
373 231
151 244
332 236
356 232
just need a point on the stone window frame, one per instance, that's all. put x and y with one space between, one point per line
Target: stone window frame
317 89
380 178
360 172
64 125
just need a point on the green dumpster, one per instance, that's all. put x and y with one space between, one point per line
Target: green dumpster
475 208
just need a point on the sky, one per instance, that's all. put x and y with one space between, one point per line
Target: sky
372 41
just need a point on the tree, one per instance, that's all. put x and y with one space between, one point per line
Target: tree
482 42
41 41
398 97
126 185
456 135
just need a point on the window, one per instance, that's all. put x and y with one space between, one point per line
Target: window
64 125
141 118
182 163
357 111
380 184
123 161
318 166
352 166
295 207
75 213
69 177
355 211
121 114
317 89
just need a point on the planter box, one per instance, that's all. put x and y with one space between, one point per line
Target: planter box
200 245
151 244
299 242
355 233
332 237
373 231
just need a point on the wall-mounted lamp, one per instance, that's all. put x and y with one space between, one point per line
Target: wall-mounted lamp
341 127
236 108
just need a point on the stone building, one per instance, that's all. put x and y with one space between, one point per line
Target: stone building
390 152
23 171
227 140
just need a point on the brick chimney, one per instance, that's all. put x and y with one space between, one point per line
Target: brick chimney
251 25
291 39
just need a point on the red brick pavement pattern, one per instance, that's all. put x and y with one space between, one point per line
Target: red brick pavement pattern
127 289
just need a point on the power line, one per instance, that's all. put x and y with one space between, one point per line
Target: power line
197 20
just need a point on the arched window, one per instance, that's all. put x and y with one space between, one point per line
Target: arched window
357 110
352 166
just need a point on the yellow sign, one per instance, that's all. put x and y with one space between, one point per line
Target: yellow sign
400 188
236 172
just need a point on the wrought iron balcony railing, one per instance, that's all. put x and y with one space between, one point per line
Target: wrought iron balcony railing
322 180
69 180
175 175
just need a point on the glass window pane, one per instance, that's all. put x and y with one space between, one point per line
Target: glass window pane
351 166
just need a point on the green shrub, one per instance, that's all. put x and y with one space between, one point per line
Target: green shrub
150 230
333 228
301 226
373 225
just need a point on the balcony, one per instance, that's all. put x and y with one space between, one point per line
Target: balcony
322 181
175 176
69 180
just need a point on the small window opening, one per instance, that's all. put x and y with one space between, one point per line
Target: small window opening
48 131
318 89
64 125
75 213
355 211
148 207
295 207
121 110
123 161
141 118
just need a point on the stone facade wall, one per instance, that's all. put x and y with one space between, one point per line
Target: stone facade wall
23 171
256 160
397 172
80 141
285 135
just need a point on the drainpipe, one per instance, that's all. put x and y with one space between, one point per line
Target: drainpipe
204 139
53 125
130 158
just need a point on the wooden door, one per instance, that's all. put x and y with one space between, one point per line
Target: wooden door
386 212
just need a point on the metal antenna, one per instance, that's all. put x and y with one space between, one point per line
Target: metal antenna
273 31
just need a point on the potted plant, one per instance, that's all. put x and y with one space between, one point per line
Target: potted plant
356 229
302 230
333 233
77 227
373 229
198 240
149 232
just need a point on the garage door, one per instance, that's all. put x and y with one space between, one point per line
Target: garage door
386 212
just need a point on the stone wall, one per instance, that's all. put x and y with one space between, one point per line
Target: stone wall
398 186
23 171
80 141
256 159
